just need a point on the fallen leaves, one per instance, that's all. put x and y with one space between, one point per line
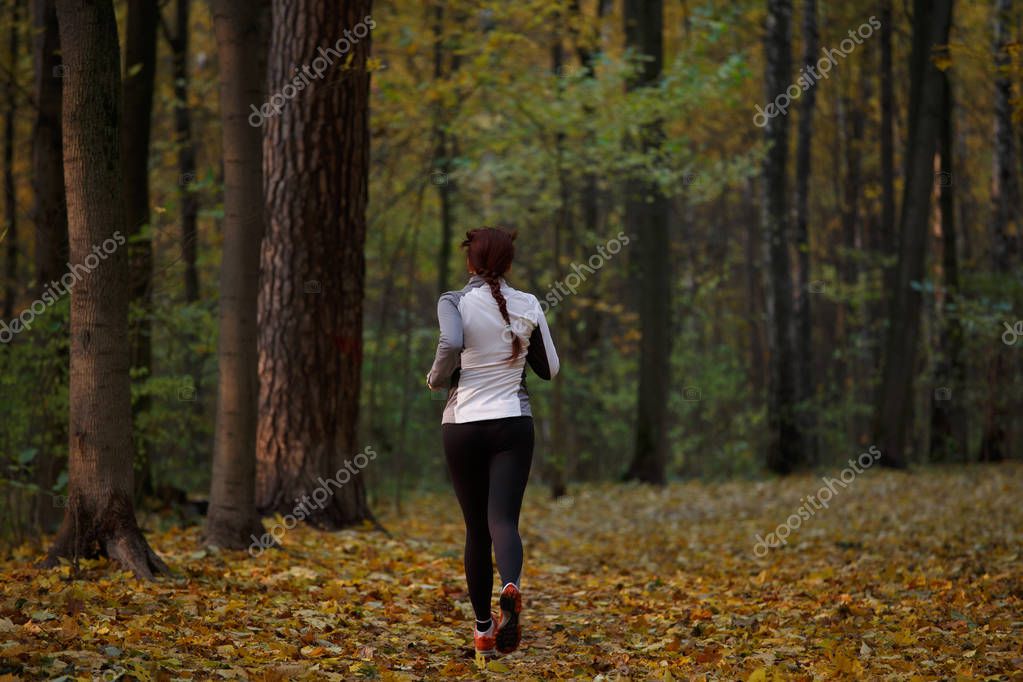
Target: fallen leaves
904 577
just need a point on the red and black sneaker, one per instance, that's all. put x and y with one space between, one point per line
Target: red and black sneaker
509 632
484 641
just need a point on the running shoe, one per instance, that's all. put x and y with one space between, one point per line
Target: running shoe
484 641
509 632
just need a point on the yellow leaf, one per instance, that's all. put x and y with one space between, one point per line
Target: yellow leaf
495 666
758 675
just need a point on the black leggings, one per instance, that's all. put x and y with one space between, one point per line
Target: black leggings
489 462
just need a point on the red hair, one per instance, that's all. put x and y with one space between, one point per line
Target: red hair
490 251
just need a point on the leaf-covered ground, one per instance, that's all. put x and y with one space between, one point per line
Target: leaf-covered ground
903 577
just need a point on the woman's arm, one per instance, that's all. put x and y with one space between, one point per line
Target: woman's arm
449 347
542 356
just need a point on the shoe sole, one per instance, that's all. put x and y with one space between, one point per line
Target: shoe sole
509 633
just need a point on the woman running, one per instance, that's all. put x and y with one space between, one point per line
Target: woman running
488 332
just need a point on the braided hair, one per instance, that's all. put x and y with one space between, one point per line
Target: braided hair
490 251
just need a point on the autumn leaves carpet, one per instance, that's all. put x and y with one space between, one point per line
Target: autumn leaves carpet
902 576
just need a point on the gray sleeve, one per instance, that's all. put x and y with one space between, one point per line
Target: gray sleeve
449 347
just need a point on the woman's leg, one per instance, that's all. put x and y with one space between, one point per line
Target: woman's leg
467 463
509 472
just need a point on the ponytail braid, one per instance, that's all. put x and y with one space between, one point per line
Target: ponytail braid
490 252
494 281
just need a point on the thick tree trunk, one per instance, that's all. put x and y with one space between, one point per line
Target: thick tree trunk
784 438
241 28
140 75
894 415
99 517
804 327
186 153
10 196
948 409
1005 225
316 158
646 217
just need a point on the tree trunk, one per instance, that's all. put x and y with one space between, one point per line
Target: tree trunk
556 463
886 239
804 326
49 213
1005 226
948 409
10 195
931 22
752 249
316 158
646 217
50 208
852 221
784 438
99 517
444 146
140 74
186 152
241 31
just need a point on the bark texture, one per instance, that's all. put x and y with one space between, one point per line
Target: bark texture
242 31
316 158
99 518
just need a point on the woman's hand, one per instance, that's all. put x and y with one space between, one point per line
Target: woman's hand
428 384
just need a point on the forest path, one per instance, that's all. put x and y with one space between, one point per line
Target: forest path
621 582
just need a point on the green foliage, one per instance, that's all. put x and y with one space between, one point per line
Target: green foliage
174 434
33 411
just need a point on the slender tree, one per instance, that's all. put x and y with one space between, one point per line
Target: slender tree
50 208
886 239
139 77
646 218
804 327
10 196
445 146
241 28
1005 223
931 23
186 151
555 463
99 517
316 159
948 409
784 438
49 214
